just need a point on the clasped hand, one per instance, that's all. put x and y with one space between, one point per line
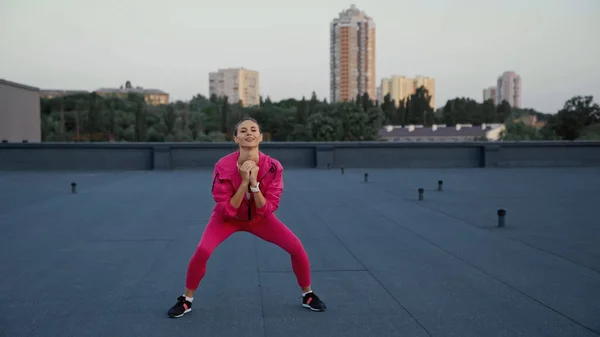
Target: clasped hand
249 172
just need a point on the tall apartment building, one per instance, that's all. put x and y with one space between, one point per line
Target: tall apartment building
237 84
352 55
401 87
490 93
509 88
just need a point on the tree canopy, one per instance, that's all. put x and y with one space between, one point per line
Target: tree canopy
93 117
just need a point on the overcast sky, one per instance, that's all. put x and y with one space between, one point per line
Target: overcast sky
172 45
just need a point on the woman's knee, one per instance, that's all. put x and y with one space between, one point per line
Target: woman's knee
296 248
202 253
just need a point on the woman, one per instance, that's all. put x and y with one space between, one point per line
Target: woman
247 186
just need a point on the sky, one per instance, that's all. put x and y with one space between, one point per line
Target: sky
554 45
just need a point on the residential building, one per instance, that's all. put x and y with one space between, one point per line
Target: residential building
509 88
50 93
530 120
400 87
490 93
238 84
441 133
19 113
429 84
352 55
151 96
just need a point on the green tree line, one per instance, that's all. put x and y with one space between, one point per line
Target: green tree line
579 119
91 117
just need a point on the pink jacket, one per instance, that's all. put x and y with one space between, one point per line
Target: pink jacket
226 181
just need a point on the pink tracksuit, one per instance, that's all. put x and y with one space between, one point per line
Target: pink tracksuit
262 222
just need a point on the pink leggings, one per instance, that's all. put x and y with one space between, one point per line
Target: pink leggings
269 229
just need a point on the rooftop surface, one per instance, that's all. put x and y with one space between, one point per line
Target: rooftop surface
111 259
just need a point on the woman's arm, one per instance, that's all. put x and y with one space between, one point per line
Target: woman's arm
237 198
268 202
259 200
228 200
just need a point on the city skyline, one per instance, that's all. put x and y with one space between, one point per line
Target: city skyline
464 46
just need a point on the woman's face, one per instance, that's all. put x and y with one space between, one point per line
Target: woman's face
248 134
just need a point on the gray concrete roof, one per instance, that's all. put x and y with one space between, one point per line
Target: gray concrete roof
111 259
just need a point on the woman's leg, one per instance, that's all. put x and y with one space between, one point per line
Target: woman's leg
273 230
216 232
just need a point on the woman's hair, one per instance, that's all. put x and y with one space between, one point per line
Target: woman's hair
243 120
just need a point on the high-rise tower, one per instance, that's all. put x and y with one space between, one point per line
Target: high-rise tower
509 88
352 56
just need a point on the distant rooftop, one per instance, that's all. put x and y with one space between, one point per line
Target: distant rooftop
437 130
58 93
351 14
138 90
18 85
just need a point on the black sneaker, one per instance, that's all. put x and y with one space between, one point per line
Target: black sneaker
313 302
180 308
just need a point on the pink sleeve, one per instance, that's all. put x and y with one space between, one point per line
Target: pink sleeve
222 192
273 193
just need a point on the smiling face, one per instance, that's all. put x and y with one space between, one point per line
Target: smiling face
248 134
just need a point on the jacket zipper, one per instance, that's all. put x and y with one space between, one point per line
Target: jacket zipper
249 205
213 183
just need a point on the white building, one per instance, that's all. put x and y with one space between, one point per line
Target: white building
441 133
509 89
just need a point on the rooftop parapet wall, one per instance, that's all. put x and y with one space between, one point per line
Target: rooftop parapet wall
161 156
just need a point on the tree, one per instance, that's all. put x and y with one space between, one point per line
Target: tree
578 113
302 112
488 111
95 117
591 132
418 108
389 111
224 112
520 131
94 120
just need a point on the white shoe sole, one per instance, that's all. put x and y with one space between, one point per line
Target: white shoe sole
185 312
309 307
